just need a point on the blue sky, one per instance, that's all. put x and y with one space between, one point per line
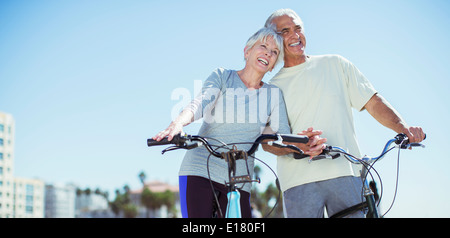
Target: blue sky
89 81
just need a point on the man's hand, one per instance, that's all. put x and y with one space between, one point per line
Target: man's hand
415 134
315 144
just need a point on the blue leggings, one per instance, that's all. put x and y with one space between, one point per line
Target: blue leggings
197 198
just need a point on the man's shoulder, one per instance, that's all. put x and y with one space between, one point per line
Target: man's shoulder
328 57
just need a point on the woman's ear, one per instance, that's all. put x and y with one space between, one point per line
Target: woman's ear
246 53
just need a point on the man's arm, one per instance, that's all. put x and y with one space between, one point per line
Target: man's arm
384 113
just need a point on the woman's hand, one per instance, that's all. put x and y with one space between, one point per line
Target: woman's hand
173 129
176 127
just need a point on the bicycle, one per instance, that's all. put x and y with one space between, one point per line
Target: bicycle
185 141
369 206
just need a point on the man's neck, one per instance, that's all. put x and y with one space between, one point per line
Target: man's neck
294 61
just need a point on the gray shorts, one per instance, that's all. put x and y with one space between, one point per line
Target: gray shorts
334 195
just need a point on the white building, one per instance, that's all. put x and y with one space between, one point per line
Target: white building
60 201
92 205
6 165
28 198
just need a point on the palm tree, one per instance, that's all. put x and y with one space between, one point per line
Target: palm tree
122 202
142 177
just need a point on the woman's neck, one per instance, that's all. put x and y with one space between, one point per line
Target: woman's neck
251 78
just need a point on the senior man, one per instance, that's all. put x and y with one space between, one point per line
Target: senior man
320 91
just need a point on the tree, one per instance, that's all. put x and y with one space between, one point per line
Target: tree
116 205
147 199
168 199
122 203
130 210
142 177
262 199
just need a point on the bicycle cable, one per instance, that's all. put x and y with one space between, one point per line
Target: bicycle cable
212 188
276 184
396 183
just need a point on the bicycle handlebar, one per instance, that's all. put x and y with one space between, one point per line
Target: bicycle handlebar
180 141
401 140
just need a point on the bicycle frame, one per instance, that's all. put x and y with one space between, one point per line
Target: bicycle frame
402 143
233 209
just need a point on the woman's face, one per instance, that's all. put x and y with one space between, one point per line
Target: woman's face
263 55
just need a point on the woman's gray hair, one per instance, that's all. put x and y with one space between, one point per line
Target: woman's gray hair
262 35
283 12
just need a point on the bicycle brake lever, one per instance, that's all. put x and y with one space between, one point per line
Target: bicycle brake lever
185 146
409 146
324 155
279 145
171 148
293 147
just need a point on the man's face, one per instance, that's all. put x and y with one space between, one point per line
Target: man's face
293 36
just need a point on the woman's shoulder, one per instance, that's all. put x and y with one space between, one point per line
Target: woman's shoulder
220 71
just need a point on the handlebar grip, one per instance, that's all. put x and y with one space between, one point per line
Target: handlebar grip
164 141
176 140
294 138
403 139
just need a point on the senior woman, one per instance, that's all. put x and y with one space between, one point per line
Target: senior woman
236 107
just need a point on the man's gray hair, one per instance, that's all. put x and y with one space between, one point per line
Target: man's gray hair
283 12
261 35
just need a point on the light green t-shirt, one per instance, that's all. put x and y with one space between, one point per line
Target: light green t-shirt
321 93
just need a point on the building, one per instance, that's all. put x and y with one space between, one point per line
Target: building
28 198
60 201
161 212
92 205
6 165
